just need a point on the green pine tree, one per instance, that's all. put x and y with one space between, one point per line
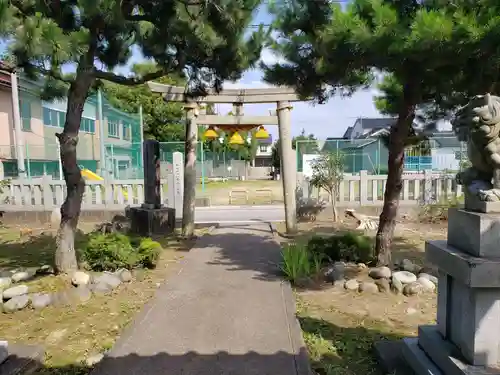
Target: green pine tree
205 40
431 48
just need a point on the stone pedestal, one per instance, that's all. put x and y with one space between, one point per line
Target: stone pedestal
152 221
466 339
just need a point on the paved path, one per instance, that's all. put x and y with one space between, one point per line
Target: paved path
239 214
225 313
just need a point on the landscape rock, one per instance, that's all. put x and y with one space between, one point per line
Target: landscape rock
368 287
412 289
427 285
396 286
335 272
80 278
94 360
124 275
409 266
16 303
5 282
405 277
21 276
380 272
15 291
6 274
82 293
63 298
108 278
101 289
362 266
427 276
45 270
383 285
411 311
351 285
40 300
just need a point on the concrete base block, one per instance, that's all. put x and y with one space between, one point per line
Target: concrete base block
4 351
150 222
472 271
417 359
475 233
474 204
390 357
23 359
447 356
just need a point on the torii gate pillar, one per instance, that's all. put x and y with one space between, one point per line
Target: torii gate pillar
288 172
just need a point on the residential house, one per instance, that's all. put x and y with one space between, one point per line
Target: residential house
41 120
263 156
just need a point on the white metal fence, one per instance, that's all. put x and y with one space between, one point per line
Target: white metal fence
44 194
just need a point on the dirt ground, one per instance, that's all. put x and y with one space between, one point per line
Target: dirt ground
244 192
340 326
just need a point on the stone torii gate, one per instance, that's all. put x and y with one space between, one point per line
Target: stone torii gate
281 96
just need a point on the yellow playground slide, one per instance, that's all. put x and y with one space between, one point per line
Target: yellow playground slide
88 174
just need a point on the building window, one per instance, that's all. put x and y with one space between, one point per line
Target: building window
87 125
126 131
53 118
62 119
263 148
25 112
113 128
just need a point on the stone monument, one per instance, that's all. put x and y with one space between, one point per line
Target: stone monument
466 338
152 218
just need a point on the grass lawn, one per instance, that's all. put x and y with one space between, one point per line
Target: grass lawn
70 334
340 327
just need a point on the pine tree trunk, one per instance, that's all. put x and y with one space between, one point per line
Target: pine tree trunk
65 257
397 140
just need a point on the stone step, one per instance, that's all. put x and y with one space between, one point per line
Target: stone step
22 360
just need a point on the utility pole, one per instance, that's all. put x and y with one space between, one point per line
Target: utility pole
17 126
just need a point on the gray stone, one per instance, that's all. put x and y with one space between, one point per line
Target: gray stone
21 276
335 272
124 275
417 359
4 351
94 359
80 278
396 286
63 298
428 285
362 266
151 157
15 291
108 278
429 277
383 285
481 206
82 293
351 285
40 300
471 271
5 273
404 277
101 289
149 222
16 303
46 270
380 272
390 358
368 287
413 289
474 233
5 282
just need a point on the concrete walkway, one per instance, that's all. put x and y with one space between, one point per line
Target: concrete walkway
226 312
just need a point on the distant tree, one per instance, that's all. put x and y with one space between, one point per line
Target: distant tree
304 144
327 174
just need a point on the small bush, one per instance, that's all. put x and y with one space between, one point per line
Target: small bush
149 252
298 263
111 251
349 247
438 212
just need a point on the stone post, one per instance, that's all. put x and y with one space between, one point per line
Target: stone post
189 199
152 184
178 191
288 171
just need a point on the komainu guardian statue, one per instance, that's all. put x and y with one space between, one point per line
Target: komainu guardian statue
478 123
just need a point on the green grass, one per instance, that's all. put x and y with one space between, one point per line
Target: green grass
340 343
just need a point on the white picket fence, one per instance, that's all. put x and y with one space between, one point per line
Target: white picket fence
44 194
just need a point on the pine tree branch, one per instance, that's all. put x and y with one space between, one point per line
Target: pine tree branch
127 81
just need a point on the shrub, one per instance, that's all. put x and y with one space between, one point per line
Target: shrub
349 247
149 252
111 251
298 263
438 212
